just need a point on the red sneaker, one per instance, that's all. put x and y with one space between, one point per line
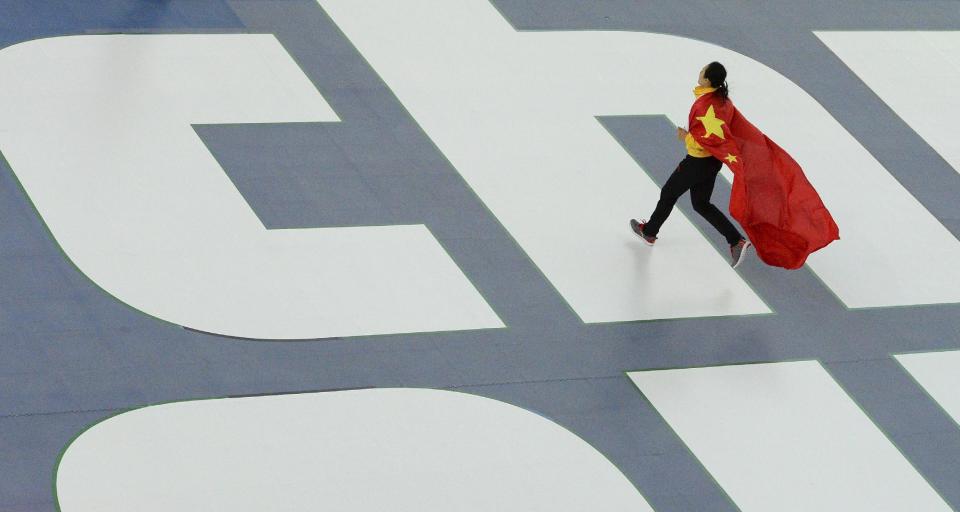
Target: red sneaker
637 228
738 251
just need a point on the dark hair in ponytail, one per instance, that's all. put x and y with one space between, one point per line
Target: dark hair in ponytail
717 74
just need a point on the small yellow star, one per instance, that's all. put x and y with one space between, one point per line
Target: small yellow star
730 158
713 125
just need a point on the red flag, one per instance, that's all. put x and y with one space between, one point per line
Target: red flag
781 212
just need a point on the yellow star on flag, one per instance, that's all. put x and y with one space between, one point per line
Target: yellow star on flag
731 158
712 125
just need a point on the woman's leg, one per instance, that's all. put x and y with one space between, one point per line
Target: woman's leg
679 182
700 197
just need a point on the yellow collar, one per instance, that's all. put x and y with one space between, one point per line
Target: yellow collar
700 91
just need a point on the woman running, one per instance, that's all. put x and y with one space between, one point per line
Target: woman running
697 173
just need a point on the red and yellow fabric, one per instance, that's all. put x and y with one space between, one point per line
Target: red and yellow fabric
693 148
772 200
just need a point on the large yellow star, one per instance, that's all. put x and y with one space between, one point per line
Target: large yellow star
713 125
731 158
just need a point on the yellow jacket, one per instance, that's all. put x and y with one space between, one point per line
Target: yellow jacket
694 149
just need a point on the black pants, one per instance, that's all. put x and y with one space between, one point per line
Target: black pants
697 175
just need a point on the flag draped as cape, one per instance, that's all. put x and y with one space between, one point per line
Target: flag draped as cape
771 198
